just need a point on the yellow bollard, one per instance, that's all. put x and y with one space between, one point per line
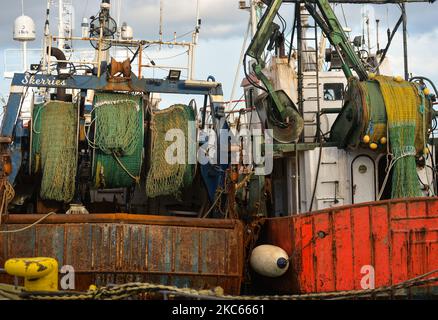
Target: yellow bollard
40 274
92 287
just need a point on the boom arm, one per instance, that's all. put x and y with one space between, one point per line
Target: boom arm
331 27
329 24
265 30
277 108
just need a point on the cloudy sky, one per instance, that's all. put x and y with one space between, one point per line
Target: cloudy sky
223 28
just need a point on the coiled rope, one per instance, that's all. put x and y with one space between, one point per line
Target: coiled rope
8 193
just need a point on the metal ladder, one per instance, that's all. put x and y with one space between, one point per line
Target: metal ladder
308 73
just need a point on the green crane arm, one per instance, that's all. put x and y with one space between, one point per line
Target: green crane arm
277 108
330 25
265 29
333 30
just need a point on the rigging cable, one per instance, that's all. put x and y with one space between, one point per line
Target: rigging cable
242 52
249 78
294 25
317 175
397 25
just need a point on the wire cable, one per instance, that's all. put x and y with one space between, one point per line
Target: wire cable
317 176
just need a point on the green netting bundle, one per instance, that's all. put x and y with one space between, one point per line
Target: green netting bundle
118 140
54 149
405 181
117 123
165 178
374 111
404 113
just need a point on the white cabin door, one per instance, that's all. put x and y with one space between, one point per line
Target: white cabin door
363 179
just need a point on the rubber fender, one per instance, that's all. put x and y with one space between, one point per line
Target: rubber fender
269 261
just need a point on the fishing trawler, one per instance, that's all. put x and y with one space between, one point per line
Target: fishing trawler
322 185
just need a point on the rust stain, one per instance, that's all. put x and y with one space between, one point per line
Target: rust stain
398 238
112 248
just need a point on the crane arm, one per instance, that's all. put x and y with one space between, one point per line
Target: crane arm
278 108
329 24
265 30
326 20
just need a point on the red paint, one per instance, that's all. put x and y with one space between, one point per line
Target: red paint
398 238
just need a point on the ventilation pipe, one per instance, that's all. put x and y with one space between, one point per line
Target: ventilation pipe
59 55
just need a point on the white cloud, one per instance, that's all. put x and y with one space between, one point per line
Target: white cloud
219 18
422 50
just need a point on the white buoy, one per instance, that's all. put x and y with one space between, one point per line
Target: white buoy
270 261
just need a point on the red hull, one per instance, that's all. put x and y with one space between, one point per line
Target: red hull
329 248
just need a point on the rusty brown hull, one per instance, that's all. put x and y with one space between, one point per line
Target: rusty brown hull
119 248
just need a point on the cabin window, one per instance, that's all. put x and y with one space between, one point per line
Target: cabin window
333 91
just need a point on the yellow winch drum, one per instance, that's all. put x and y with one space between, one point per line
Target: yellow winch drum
390 103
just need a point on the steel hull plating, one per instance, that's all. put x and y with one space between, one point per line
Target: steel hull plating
336 249
119 248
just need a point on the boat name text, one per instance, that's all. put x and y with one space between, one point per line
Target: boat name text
30 80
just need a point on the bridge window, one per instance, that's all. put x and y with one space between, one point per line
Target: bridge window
333 91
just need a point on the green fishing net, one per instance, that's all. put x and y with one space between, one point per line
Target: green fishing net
118 140
54 149
165 178
404 114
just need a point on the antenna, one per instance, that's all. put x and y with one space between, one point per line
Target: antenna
198 21
367 21
195 36
119 9
22 7
377 34
161 21
61 41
